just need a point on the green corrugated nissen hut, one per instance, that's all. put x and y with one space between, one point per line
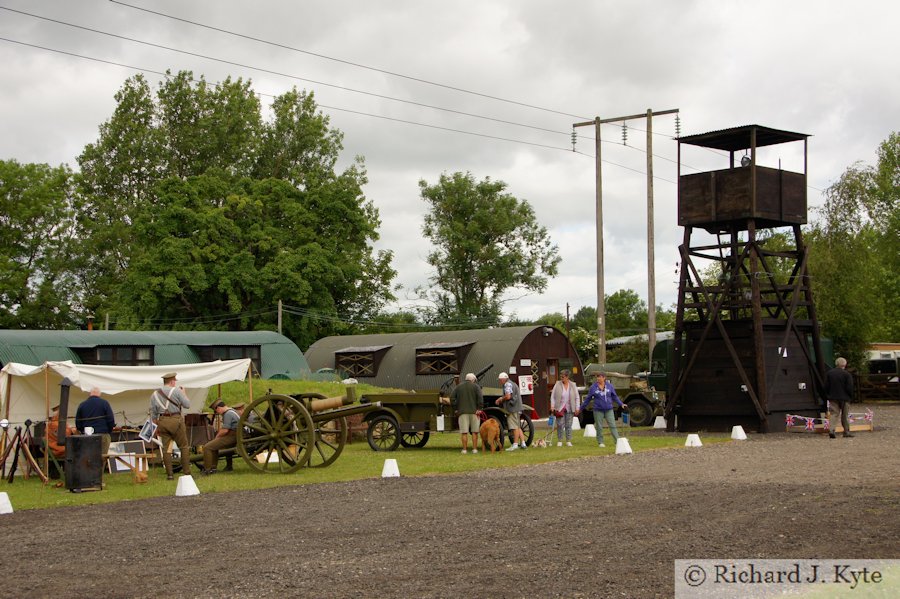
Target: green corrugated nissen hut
531 355
273 355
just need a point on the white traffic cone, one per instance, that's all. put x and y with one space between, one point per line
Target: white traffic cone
738 434
623 446
5 505
660 422
693 441
391 469
186 486
590 431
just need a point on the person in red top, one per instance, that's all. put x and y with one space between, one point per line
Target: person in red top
59 451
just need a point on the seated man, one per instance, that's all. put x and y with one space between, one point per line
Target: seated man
226 437
58 451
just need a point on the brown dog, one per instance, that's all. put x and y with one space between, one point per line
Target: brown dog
490 435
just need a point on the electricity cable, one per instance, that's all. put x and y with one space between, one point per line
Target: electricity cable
347 62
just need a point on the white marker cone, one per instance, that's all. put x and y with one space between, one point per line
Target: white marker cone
738 434
660 422
391 469
576 424
693 441
622 446
5 505
590 431
186 486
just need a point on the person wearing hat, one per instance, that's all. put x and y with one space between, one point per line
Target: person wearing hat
600 397
166 404
225 438
512 403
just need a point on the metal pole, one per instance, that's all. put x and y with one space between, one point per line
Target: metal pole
279 317
601 297
651 260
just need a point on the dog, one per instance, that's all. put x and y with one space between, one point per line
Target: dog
490 435
540 443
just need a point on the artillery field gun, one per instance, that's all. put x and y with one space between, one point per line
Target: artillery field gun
283 433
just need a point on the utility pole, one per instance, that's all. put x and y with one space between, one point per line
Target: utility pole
279 317
601 297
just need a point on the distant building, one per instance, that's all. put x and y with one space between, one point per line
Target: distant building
532 356
273 355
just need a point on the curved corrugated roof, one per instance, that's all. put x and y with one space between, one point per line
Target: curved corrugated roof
489 346
278 354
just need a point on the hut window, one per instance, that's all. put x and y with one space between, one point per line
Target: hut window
356 363
437 361
230 352
123 356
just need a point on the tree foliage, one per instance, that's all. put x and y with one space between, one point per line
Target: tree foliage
196 207
486 242
854 252
37 289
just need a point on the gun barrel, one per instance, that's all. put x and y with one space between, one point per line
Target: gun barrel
483 371
330 403
346 411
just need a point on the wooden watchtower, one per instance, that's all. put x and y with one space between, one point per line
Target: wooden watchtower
746 349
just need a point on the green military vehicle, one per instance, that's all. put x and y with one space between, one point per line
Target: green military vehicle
409 419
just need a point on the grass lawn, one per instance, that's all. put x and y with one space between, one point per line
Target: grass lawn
440 456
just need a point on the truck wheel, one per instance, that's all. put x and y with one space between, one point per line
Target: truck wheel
417 439
383 433
640 412
527 428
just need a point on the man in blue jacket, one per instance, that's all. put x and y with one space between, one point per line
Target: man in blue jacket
96 413
600 397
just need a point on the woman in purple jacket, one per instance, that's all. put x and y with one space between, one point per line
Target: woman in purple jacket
600 398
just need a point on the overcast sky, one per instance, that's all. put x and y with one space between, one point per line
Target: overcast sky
825 68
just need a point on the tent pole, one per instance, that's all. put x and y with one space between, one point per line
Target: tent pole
47 425
250 378
4 436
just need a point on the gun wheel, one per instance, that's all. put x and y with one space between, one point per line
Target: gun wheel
331 436
275 434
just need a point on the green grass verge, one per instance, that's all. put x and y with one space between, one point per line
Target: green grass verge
440 456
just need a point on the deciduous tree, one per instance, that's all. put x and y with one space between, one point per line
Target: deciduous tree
487 242
196 207
37 286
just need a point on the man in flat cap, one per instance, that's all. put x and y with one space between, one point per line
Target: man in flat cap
226 437
166 404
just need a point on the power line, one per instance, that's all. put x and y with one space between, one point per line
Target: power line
348 110
261 69
323 56
342 61
281 74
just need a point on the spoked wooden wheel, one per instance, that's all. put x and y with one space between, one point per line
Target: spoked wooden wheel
331 436
275 434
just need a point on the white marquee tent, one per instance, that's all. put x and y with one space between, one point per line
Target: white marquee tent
28 392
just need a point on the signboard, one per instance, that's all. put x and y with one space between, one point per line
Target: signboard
526 384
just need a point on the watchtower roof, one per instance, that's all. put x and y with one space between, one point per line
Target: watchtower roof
739 138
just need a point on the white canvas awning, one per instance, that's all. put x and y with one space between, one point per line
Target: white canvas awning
26 392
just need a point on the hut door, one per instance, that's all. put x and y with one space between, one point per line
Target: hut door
552 372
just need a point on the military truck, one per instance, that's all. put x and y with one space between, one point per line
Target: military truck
643 393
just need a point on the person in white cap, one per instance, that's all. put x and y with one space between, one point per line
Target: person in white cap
512 403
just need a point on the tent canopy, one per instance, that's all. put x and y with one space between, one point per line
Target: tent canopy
27 392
